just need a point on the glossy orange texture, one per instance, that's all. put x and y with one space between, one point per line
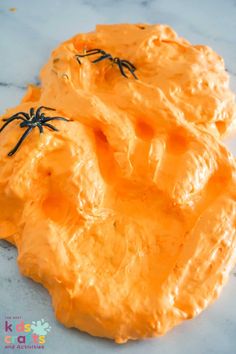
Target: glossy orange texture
127 215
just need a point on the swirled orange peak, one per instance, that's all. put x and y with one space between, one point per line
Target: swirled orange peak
127 214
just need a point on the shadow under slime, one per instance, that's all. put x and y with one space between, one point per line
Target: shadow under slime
6 245
106 343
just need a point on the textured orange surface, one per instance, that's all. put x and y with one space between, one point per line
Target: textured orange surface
127 215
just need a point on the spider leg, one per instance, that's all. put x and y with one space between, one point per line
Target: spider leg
37 115
78 60
118 62
54 118
31 112
40 128
92 52
134 75
23 137
25 115
123 61
96 50
9 120
105 56
50 126
130 70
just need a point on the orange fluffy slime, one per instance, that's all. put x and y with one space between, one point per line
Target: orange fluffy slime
127 214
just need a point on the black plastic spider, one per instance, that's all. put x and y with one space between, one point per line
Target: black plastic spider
31 120
121 63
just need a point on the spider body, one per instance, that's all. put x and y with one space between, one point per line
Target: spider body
121 63
30 121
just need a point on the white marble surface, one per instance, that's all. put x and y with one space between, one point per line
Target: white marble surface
26 38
